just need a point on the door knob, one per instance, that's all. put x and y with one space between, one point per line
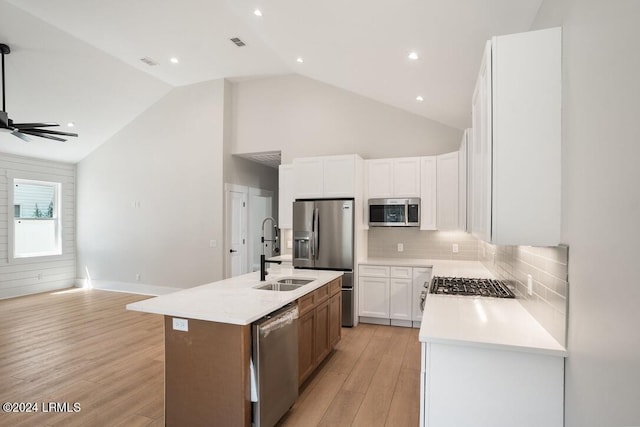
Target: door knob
232 251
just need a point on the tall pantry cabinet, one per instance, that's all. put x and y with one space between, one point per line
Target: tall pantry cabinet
515 148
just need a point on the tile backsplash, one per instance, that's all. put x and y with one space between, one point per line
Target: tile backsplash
548 267
383 243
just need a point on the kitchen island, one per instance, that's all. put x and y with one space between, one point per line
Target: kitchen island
208 340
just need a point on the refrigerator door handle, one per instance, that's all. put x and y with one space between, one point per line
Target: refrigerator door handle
312 243
316 229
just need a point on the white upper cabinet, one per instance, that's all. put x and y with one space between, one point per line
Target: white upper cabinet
325 177
285 196
379 178
340 176
515 147
447 191
308 178
462 182
428 191
406 177
393 177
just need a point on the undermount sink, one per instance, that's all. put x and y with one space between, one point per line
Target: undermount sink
284 285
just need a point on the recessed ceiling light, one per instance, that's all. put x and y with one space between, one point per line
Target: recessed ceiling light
257 12
419 98
413 56
174 60
299 60
70 124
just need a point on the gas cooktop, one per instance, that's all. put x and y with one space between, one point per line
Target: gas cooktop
465 286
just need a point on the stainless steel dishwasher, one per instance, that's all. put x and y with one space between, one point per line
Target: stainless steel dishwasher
275 358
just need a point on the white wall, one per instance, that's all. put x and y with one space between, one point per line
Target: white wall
33 275
601 121
304 117
151 198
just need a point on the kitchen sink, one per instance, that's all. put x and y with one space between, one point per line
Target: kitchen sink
280 287
284 285
294 281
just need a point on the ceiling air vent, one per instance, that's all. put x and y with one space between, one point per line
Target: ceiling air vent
150 62
238 42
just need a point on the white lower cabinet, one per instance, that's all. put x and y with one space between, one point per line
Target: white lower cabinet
390 295
499 387
374 297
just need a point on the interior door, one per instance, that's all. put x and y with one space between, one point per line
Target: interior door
236 232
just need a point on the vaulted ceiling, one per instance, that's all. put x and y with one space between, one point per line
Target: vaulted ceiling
80 61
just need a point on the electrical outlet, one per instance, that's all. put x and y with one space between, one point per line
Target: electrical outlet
400 247
213 243
138 277
180 324
455 248
289 244
529 284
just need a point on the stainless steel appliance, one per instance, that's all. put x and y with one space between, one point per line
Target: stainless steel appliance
394 212
323 240
275 358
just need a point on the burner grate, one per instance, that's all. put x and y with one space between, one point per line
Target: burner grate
470 286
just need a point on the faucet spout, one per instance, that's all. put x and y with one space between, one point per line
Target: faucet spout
263 261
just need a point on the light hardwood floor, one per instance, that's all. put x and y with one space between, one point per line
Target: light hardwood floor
83 346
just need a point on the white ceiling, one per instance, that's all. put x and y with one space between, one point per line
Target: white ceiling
79 61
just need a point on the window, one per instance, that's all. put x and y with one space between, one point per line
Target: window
36 222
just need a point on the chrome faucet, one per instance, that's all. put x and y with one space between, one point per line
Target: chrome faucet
263 261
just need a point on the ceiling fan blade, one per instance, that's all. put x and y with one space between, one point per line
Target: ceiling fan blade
21 136
48 132
40 135
33 125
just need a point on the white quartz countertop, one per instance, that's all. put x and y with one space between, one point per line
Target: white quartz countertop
476 321
234 300
498 323
282 258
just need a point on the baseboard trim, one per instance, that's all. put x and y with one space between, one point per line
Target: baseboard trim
130 288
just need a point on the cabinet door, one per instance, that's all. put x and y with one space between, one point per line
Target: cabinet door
374 297
462 182
322 342
306 350
420 277
308 176
428 193
379 178
335 319
285 196
339 176
480 154
400 292
447 191
406 177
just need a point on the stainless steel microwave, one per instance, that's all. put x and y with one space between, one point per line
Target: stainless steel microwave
394 212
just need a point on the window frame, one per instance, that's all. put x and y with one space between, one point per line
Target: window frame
17 178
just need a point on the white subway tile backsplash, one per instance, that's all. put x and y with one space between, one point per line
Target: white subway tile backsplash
382 242
548 267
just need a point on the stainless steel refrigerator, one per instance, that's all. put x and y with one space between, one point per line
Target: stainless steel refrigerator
323 240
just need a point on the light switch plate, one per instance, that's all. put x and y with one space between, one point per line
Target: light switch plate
180 324
529 284
400 247
455 248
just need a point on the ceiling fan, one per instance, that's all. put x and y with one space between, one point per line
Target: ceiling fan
22 130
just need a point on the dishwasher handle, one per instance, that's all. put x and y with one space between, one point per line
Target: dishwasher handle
278 320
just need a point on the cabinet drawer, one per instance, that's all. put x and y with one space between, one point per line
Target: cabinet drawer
373 271
401 272
335 286
306 303
321 294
